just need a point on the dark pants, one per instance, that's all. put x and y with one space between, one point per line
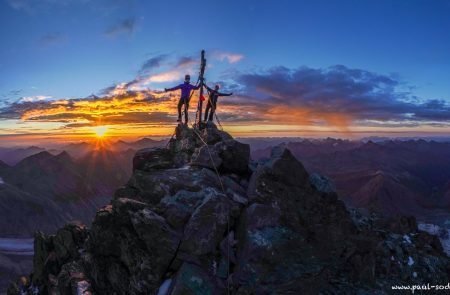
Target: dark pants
185 102
210 108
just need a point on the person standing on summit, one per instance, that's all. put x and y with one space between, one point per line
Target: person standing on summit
186 89
212 101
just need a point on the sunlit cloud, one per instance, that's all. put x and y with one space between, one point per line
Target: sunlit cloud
153 63
228 56
156 70
168 76
338 96
34 98
334 99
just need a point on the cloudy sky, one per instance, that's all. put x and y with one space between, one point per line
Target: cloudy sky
296 68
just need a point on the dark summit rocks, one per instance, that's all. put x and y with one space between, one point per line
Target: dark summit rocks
229 156
180 227
208 148
152 158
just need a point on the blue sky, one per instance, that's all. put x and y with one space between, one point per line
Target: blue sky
63 50
75 48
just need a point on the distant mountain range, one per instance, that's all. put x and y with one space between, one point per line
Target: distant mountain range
72 181
407 177
43 189
13 155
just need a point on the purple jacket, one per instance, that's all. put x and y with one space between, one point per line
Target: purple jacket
186 89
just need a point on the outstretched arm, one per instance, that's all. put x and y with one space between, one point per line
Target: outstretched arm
173 88
209 89
225 94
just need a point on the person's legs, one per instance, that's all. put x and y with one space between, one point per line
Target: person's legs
211 115
208 107
186 108
180 104
213 109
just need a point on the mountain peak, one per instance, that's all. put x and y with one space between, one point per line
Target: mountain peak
38 157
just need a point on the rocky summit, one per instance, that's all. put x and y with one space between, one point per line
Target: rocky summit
199 217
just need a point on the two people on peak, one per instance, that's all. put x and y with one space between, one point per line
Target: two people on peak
186 89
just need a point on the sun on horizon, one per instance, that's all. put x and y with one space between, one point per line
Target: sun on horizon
100 131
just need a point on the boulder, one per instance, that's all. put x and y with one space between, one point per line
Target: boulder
42 249
177 209
208 225
69 240
211 135
207 157
151 227
72 280
282 169
186 140
235 156
131 248
51 252
269 259
229 156
153 158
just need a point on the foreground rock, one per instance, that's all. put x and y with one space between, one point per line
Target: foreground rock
194 219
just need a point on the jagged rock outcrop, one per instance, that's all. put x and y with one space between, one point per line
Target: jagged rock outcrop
197 218
56 266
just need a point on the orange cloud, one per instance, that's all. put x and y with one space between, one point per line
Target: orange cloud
333 100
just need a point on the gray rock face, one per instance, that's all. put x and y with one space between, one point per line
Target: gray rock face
55 266
211 135
206 157
235 156
227 156
153 158
270 231
322 183
208 225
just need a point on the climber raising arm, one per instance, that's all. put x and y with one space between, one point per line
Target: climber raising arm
216 91
224 94
173 88
208 88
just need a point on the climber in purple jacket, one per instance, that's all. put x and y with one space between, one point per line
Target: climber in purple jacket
186 89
